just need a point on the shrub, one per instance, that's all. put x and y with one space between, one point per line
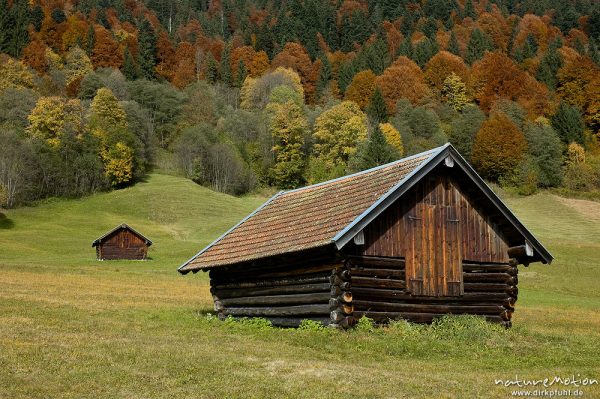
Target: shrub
365 324
311 325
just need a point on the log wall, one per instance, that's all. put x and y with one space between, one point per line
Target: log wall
285 295
379 291
123 244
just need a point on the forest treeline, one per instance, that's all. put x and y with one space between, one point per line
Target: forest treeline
237 94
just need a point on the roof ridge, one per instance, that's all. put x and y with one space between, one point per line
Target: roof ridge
362 172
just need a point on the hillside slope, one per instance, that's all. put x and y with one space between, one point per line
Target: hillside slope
179 216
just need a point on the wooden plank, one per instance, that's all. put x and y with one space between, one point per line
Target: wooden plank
377 283
299 310
504 278
377 261
271 283
360 293
277 300
360 305
378 273
279 290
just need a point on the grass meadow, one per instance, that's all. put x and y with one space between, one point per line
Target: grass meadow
74 327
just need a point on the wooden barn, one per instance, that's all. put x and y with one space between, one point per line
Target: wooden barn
414 239
122 242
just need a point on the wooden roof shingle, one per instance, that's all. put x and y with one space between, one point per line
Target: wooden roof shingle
304 218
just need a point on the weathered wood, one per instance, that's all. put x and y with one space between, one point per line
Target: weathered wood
296 311
488 277
415 317
347 322
316 297
509 303
278 290
289 272
488 268
122 243
486 287
400 295
336 316
378 273
377 283
427 308
270 282
344 299
376 261
520 252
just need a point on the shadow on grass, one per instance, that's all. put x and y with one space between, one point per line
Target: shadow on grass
6 223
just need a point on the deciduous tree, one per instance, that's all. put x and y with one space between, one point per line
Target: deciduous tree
498 148
403 79
361 89
288 126
337 133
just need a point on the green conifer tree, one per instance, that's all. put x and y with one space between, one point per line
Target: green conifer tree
549 65
91 39
129 68
478 45
373 152
453 45
469 10
377 109
225 66
146 50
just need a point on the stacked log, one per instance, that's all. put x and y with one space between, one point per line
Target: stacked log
379 291
285 296
341 302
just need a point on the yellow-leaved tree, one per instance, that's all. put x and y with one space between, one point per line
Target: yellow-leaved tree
288 126
118 163
51 116
14 74
392 136
255 92
337 134
108 122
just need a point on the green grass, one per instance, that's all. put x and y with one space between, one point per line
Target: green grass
73 327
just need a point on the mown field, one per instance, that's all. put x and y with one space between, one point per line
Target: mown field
73 327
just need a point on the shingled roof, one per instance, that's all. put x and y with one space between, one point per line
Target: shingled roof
98 240
332 212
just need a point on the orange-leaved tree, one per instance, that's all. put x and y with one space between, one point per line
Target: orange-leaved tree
402 79
441 65
361 88
497 76
498 148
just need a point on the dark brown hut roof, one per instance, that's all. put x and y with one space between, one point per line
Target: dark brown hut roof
98 240
332 212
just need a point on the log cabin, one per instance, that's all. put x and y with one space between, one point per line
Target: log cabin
122 242
414 239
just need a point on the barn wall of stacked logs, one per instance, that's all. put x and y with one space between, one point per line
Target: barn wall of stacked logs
284 292
379 291
123 244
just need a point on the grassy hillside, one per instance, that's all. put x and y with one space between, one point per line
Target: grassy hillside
73 327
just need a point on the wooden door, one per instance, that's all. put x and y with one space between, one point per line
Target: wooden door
433 256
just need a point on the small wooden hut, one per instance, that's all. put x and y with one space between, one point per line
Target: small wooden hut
122 242
414 239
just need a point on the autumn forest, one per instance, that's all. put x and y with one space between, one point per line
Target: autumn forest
239 95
